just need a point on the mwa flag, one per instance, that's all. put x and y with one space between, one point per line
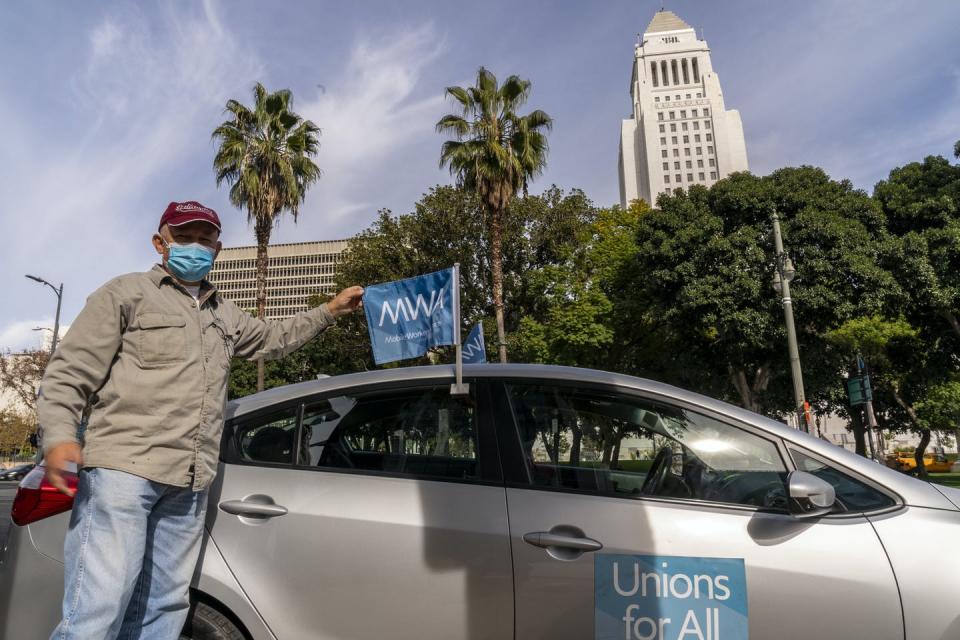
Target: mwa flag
407 317
474 350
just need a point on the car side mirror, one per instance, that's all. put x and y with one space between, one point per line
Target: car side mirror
809 495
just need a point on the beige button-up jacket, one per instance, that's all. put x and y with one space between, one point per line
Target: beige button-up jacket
154 362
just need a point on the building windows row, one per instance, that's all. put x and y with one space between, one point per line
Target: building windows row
251 263
674 72
274 285
224 275
667 98
683 125
678 177
686 150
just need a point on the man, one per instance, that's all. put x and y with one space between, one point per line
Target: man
150 354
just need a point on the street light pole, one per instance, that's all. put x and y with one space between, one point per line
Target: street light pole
782 277
56 321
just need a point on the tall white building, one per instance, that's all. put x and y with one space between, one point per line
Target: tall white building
681 132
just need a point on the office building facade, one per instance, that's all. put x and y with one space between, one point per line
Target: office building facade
296 271
680 132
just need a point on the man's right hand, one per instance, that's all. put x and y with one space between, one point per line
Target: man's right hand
56 460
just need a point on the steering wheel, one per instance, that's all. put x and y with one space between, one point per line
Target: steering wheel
658 471
335 447
753 489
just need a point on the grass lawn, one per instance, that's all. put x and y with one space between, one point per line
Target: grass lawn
948 479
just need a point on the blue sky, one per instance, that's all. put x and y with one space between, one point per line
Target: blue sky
107 108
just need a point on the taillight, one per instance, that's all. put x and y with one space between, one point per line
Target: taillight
37 499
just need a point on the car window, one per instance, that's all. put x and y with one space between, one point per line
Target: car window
267 438
605 443
422 432
852 494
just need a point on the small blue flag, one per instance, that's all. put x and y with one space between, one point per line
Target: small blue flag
474 350
407 317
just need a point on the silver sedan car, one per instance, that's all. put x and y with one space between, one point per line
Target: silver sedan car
548 502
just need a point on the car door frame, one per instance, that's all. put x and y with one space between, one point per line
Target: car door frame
490 465
517 474
491 473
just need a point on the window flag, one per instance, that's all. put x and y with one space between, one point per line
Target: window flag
474 349
407 317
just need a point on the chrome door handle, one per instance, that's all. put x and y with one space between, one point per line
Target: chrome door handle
252 509
546 540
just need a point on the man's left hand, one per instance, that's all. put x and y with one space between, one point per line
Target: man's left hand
346 301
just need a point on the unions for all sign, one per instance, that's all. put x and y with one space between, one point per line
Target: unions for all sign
669 598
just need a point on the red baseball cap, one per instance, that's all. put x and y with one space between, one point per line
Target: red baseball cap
178 213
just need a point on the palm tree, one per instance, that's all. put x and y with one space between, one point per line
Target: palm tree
265 157
495 154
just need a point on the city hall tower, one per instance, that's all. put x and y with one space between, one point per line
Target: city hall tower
680 133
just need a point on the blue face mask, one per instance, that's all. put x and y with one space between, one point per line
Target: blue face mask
189 262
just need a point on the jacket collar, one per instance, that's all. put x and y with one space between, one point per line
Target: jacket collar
158 275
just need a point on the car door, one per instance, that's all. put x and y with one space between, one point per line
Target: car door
369 513
641 518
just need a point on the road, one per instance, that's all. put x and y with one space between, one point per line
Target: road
7 490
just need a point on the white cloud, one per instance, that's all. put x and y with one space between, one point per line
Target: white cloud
20 335
145 95
103 39
376 109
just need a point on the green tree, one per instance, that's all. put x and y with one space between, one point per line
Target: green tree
495 154
542 232
265 156
909 374
702 276
15 431
575 316
921 202
940 409
20 375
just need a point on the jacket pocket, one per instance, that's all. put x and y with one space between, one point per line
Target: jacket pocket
163 338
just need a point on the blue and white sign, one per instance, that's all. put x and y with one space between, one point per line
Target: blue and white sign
474 350
669 598
407 317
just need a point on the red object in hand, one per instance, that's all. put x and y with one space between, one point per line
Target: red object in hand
37 499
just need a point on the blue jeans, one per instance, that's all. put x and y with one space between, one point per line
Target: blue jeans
130 554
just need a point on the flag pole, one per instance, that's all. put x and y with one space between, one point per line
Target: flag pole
457 388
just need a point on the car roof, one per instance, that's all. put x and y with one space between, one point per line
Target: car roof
445 373
915 492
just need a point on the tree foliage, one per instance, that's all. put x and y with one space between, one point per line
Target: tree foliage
495 153
544 236
265 155
682 292
702 273
20 375
921 203
15 432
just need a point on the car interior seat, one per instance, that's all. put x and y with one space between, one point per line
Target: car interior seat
271 444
